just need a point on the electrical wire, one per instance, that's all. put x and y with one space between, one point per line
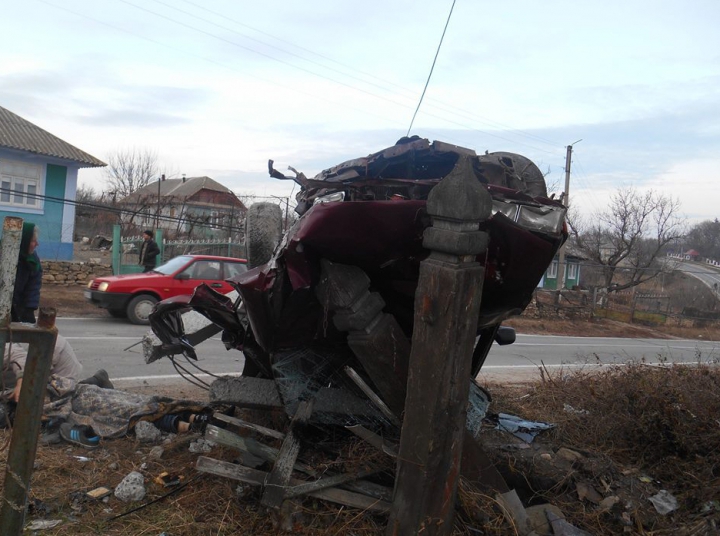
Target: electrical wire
182 371
313 73
314 95
145 215
447 107
432 67
192 362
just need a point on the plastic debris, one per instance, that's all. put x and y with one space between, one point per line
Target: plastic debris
43 524
569 409
520 428
664 502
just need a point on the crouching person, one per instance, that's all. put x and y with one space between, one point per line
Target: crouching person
65 364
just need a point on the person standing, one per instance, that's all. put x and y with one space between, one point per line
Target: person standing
28 279
148 252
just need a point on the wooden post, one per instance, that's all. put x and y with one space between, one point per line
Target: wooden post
279 479
23 444
447 305
9 249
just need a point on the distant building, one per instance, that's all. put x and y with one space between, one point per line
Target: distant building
691 255
572 273
196 206
38 175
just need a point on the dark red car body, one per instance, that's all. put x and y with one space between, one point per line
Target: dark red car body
371 213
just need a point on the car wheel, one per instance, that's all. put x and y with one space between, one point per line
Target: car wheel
117 313
140 307
263 231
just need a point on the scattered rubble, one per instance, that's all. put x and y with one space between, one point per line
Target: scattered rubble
131 488
147 432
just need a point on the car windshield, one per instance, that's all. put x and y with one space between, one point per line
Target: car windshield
173 265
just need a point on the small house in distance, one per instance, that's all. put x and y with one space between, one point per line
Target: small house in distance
572 274
38 182
194 207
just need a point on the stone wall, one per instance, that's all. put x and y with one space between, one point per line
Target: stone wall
72 273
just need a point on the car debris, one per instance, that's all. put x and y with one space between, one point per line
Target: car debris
327 323
520 428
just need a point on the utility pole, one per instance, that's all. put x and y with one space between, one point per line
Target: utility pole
566 201
157 212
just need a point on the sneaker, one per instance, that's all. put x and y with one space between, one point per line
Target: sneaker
200 422
103 379
81 435
50 438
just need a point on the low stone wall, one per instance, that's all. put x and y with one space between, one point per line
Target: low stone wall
72 273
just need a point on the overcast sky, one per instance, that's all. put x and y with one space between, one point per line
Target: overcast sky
217 87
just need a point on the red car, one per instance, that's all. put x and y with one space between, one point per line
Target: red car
134 295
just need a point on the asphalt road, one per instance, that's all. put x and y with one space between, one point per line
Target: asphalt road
709 276
112 344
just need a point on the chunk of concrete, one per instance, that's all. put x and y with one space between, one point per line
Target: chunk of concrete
147 432
537 518
131 488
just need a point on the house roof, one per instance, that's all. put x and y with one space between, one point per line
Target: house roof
18 133
181 189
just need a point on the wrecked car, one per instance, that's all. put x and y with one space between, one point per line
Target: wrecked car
367 217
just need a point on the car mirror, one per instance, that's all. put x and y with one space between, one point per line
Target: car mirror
505 335
182 276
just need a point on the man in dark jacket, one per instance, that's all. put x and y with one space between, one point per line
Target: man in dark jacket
148 252
28 279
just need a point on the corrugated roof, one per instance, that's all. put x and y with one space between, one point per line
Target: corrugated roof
18 133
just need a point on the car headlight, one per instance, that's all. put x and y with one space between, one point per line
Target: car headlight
89 285
102 287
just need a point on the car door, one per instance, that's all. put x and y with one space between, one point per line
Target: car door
230 270
199 271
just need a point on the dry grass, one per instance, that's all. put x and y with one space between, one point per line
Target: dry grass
646 428
642 421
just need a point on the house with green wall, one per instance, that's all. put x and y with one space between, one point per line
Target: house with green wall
572 273
38 182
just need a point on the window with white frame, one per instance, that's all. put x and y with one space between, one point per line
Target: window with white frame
21 184
215 219
552 270
572 271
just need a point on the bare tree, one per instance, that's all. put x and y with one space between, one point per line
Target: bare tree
705 237
630 237
130 169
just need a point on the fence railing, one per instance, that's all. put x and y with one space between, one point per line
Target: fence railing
126 250
223 248
626 306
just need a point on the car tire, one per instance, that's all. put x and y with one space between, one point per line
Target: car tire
263 231
117 313
140 307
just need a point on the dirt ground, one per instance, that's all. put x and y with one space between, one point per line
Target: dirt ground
620 440
623 441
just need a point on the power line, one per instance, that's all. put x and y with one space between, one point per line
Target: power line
343 104
432 67
120 210
442 105
308 71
